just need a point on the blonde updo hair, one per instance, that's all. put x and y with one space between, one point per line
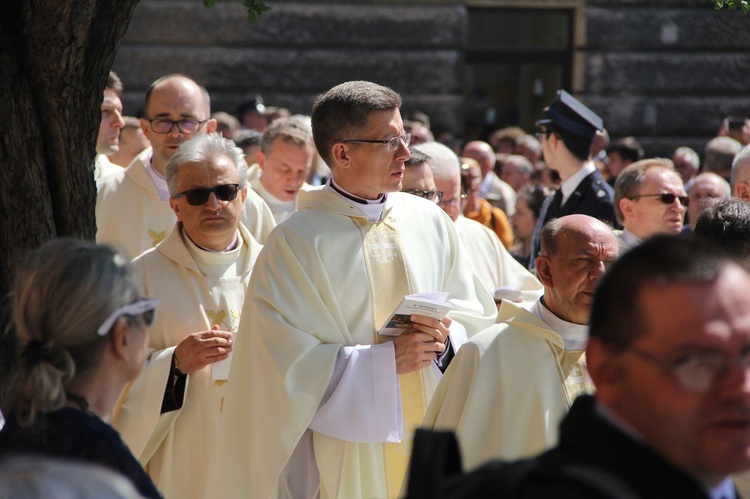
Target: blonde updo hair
62 293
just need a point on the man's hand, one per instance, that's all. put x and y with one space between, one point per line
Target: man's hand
201 349
419 345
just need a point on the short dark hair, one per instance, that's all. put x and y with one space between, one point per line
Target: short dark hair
726 222
663 259
579 146
114 83
345 109
628 148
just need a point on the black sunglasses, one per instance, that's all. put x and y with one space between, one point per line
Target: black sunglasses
199 196
666 198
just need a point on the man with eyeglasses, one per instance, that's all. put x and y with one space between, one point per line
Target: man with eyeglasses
567 130
320 404
497 269
132 206
649 199
669 354
200 273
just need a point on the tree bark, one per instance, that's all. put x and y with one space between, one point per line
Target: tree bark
54 60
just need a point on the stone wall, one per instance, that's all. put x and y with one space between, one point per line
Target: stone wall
665 71
296 51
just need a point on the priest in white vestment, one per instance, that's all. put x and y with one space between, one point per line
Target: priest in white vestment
284 162
498 270
320 404
200 273
509 387
132 205
108 138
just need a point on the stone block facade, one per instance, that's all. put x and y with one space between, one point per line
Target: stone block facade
664 71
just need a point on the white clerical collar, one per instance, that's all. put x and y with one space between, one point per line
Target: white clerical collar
630 239
569 186
160 183
372 209
234 246
575 336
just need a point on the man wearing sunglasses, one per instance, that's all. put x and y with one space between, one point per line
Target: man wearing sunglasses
649 200
200 274
320 404
132 206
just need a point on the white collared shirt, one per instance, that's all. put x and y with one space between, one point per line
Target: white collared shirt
569 186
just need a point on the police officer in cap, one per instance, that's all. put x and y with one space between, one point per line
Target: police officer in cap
566 132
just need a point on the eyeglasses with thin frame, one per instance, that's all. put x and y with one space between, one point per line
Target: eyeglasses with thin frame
697 372
432 195
666 198
145 307
452 201
391 144
186 126
200 195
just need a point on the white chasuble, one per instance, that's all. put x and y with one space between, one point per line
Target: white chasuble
507 390
131 215
311 296
175 447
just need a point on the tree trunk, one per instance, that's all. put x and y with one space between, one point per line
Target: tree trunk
54 60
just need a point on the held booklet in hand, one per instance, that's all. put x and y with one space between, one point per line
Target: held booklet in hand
432 305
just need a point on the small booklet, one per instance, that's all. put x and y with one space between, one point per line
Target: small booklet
506 293
432 305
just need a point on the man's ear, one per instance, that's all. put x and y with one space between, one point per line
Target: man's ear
627 208
211 125
543 271
260 158
175 207
742 190
606 370
340 155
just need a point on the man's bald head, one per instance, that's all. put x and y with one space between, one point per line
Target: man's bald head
482 152
575 252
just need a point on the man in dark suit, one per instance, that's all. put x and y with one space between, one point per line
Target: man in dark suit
671 413
566 132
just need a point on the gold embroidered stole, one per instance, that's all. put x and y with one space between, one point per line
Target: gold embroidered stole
390 283
575 377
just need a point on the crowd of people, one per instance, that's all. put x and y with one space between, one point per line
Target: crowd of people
598 318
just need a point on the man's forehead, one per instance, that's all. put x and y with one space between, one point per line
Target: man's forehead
589 242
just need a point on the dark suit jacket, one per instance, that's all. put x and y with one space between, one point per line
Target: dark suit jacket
594 460
593 196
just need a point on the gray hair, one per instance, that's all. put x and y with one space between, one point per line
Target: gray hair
294 129
521 162
631 178
205 148
62 294
690 155
443 161
740 165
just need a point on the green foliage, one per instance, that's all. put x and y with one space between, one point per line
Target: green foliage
743 5
256 7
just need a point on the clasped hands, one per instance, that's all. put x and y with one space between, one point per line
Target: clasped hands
200 349
420 344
